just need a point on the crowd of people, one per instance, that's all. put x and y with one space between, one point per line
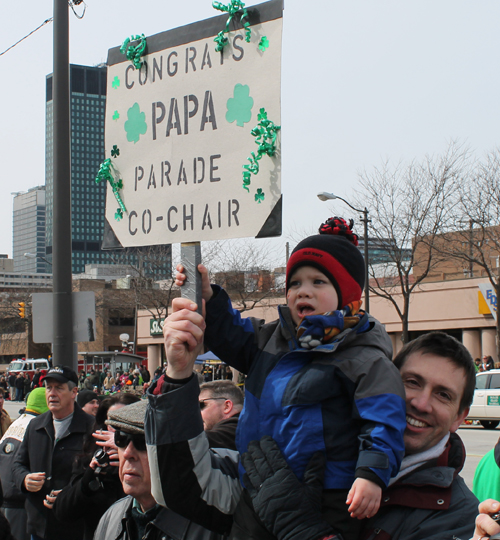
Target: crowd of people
331 440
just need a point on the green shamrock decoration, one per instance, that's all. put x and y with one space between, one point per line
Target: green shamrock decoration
116 82
116 115
259 196
115 151
118 214
239 107
264 43
136 125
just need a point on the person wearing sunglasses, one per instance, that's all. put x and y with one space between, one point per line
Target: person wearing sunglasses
220 403
138 515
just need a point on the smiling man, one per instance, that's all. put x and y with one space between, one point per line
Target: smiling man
428 499
45 458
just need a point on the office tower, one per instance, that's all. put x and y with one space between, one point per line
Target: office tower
87 108
29 231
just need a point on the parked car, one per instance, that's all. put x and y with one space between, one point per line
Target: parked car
486 404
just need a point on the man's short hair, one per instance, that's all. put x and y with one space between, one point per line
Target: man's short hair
444 345
225 389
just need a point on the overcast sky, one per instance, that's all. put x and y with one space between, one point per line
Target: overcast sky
362 81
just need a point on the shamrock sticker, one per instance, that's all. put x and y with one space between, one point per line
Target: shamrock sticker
115 151
264 43
116 115
116 82
118 214
239 107
259 196
136 125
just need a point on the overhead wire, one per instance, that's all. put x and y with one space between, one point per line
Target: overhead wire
28 35
71 3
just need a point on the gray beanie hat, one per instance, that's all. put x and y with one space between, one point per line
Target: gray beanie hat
129 418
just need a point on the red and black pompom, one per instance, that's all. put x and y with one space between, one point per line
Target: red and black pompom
340 227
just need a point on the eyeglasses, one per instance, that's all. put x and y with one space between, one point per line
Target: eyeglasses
203 404
123 439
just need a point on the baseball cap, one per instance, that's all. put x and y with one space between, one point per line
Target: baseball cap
62 374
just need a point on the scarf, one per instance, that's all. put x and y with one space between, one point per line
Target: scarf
315 330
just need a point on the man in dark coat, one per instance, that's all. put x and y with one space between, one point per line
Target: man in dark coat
43 464
19 387
221 403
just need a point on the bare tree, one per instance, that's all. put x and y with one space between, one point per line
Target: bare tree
246 268
149 271
409 205
474 243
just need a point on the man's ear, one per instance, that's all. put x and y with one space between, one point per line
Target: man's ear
228 406
460 418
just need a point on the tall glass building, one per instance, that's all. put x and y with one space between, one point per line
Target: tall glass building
29 231
88 103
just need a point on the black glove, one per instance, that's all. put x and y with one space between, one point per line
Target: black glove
290 509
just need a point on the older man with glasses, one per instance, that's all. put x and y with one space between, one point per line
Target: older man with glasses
138 515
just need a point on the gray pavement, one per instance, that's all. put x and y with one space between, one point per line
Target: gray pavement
12 407
478 441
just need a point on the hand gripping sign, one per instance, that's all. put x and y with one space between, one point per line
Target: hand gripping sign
193 135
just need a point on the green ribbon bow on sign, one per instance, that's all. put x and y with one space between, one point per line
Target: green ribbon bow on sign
234 7
265 133
132 52
107 173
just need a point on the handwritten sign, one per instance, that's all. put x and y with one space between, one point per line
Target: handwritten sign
178 132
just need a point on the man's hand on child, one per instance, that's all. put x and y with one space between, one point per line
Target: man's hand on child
364 498
183 333
206 289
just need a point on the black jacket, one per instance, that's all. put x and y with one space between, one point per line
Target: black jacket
223 434
83 498
37 453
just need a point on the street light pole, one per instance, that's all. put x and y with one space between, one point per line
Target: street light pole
325 196
63 352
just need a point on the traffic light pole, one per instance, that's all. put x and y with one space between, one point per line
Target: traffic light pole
63 352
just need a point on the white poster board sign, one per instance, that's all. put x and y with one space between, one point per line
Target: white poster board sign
179 131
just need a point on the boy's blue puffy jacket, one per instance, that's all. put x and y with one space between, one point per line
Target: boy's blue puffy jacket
345 398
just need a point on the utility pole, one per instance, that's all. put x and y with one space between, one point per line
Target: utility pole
63 351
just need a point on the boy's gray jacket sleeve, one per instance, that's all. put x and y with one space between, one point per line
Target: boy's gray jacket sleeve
187 476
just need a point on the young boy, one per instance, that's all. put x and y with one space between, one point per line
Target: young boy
319 378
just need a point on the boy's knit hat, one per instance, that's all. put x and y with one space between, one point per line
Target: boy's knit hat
37 401
333 251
